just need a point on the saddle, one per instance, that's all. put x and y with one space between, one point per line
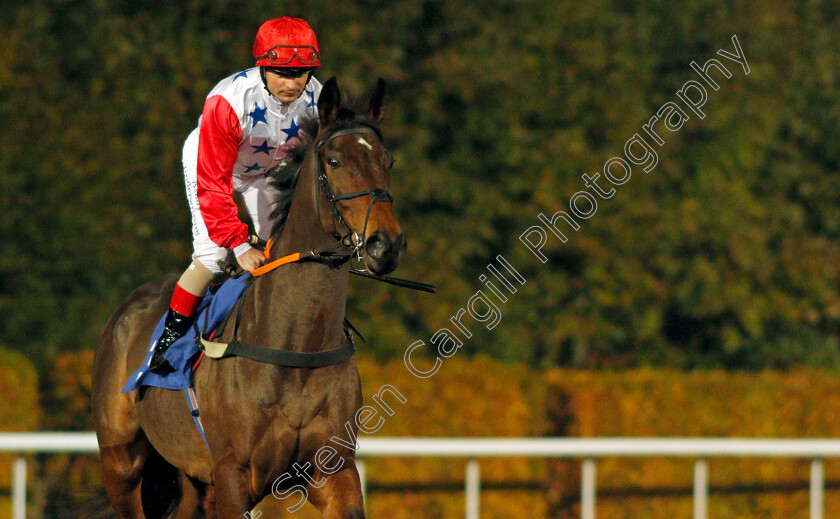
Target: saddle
214 310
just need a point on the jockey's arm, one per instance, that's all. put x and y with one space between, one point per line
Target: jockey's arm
218 151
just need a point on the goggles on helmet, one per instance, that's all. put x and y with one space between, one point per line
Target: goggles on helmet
284 54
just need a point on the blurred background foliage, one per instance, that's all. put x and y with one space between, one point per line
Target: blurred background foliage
723 258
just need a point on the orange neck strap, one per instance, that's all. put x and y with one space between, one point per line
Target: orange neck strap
268 267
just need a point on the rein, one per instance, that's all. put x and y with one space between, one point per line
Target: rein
325 253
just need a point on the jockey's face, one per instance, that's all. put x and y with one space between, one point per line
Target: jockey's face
284 87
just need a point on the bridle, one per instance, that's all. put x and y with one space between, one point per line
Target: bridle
351 240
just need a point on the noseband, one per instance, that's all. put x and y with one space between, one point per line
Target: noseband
352 239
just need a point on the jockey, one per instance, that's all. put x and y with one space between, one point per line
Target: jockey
247 118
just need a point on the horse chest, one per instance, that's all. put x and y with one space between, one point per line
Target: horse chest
295 397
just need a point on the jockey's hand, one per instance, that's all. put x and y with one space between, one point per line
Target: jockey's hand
251 259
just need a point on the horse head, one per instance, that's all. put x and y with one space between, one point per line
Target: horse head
354 178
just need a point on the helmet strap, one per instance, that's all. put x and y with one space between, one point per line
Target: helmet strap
264 81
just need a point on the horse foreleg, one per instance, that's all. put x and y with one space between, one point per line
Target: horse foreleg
122 474
338 496
193 496
231 495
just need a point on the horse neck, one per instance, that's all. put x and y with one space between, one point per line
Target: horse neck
303 230
301 306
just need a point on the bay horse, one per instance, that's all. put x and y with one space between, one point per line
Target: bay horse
260 419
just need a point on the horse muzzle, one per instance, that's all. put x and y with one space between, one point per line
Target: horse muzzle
383 251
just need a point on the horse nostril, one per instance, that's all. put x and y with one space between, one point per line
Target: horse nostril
376 246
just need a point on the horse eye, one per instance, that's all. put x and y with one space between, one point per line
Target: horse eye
334 162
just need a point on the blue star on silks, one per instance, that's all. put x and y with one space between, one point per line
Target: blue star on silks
258 115
254 167
244 74
312 100
292 130
263 148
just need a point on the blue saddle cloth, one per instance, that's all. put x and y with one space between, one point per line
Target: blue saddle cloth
213 309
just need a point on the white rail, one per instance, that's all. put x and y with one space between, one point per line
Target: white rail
474 448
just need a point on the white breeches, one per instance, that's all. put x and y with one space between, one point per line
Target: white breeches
258 197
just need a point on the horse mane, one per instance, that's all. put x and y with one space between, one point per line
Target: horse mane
283 177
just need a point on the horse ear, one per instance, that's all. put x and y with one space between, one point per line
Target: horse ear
378 104
329 102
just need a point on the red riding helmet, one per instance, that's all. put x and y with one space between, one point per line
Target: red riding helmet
286 42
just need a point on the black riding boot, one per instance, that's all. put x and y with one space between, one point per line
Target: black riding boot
176 326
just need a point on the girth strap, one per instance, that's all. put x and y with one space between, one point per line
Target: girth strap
291 359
